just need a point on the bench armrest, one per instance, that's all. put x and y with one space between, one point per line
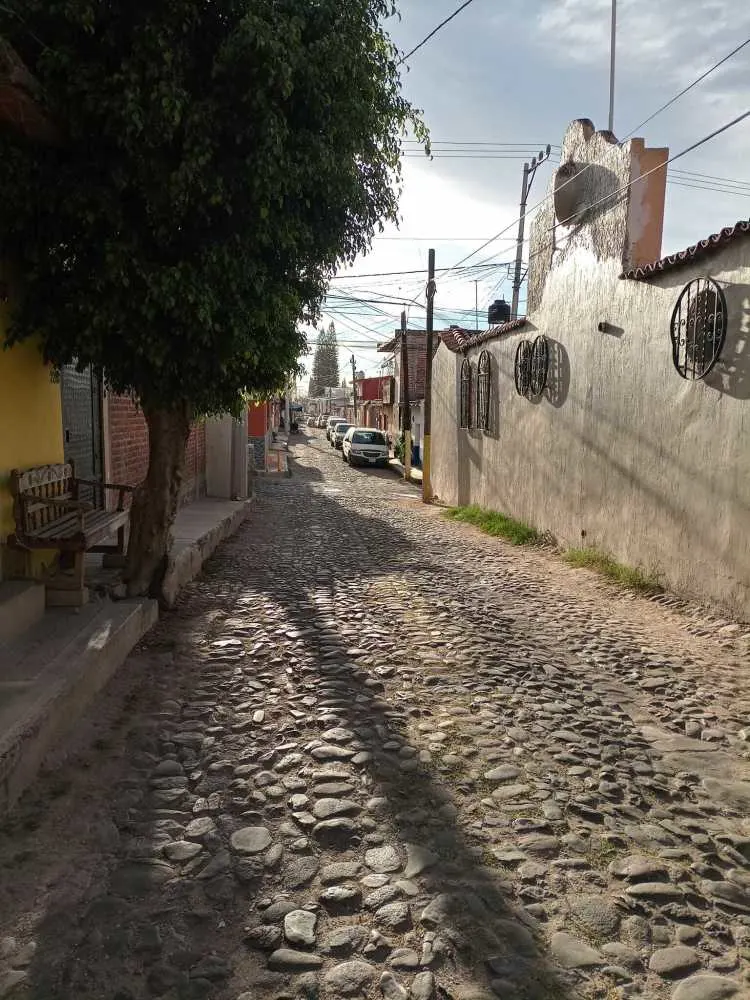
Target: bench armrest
105 486
97 485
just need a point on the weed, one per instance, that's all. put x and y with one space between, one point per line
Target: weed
637 579
492 522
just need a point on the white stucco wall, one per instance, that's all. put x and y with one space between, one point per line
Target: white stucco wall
620 452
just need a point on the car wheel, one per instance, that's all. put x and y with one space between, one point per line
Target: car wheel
343 456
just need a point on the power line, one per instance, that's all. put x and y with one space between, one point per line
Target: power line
434 239
480 142
650 118
393 274
434 31
677 156
695 83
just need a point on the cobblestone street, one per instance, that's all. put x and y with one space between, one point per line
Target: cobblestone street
374 753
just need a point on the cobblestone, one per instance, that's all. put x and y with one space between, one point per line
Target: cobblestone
373 753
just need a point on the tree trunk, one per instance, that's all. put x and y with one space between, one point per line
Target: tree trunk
155 501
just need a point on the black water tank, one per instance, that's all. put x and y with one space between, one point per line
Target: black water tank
498 312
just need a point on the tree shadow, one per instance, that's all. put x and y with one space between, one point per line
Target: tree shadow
266 615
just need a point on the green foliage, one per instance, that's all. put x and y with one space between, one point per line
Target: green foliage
634 578
399 447
219 161
325 370
494 523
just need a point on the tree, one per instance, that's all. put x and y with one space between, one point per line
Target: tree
219 160
325 371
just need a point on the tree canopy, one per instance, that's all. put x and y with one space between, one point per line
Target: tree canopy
325 369
219 160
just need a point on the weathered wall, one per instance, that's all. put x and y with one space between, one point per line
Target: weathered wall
30 434
619 452
127 448
596 204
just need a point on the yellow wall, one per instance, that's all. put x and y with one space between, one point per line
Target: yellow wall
30 433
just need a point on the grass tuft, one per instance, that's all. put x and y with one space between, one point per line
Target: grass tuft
637 579
492 522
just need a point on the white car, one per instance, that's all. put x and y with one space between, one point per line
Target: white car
365 446
330 424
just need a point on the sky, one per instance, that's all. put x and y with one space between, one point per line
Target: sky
516 73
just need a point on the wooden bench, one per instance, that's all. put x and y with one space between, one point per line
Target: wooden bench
50 513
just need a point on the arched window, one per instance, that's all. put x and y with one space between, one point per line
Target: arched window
465 407
483 390
698 328
539 366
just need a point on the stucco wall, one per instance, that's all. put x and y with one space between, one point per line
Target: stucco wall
619 452
30 434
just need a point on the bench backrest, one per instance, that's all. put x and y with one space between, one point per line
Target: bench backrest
48 482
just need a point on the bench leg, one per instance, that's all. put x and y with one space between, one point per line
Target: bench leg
70 592
115 557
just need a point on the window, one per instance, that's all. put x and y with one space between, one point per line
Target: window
539 366
483 390
368 437
465 408
522 367
698 328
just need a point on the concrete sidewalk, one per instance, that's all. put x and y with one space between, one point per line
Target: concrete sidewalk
398 466
50 673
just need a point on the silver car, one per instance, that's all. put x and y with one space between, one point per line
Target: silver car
337 437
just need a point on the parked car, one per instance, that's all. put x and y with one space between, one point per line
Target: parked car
311 421
321 421
330 424
337 438
364 446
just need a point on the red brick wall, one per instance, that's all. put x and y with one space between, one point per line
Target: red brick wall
128 449
128 441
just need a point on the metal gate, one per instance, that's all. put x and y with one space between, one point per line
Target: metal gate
82 421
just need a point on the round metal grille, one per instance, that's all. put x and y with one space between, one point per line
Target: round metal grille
539 366
522 367
483 390
698 328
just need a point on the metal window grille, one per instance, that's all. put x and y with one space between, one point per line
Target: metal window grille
698 328
466 380
539 366
522 367
483 390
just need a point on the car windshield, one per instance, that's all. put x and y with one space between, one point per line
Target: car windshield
342 428
368 437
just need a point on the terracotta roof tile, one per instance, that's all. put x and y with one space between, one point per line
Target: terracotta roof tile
710 245
458 340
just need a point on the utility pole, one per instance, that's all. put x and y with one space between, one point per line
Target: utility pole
405 401
476 305
529 170
354 387
426 467
612 53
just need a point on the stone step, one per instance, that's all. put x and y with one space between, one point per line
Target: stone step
21 606
49 676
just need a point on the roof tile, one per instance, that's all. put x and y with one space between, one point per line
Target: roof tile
710 245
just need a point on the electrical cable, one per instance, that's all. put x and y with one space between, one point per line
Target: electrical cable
650 118
695 83
434 31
